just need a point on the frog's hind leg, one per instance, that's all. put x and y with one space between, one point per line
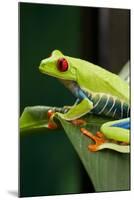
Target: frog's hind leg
117 130
114 135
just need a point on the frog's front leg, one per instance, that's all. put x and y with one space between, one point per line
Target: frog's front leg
81 107
114 135
73 114
77 111
83 104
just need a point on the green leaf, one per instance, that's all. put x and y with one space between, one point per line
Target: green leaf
108 170
34 118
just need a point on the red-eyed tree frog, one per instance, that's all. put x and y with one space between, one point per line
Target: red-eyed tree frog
98 91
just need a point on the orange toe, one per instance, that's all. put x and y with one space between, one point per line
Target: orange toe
50 113
78 122
52 125
98 139
93 147
100 135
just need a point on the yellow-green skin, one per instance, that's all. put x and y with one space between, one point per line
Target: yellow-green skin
92 78
87 75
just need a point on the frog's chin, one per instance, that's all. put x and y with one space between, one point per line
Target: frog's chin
64 81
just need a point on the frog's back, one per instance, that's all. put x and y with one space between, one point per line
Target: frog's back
98 79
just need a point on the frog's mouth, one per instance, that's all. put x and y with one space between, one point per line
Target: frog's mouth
55 73
44 71
50 73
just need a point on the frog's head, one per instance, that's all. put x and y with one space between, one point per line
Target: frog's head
59 66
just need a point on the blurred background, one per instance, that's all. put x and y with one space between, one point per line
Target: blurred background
49 164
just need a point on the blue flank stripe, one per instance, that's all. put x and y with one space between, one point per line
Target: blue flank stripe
124 124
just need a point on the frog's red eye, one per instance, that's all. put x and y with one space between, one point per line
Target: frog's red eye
62 65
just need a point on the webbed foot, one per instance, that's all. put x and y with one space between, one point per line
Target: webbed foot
99 139
103 143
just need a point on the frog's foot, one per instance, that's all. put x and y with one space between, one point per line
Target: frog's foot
66 109
50 112
51 123
103 143
78 122
98 138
